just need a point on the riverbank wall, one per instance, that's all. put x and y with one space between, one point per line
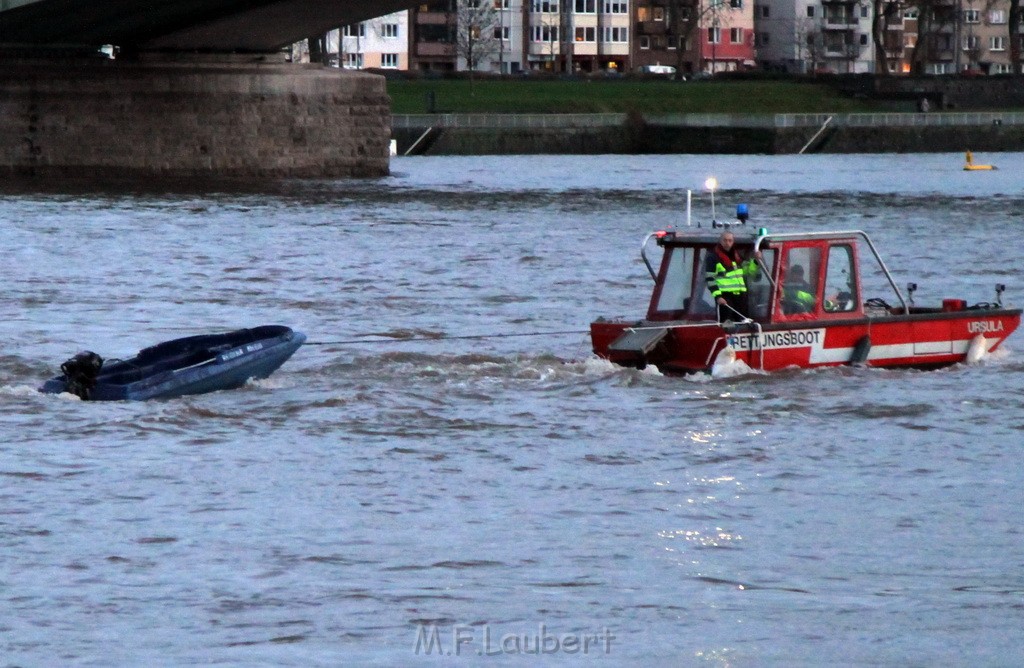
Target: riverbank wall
499 134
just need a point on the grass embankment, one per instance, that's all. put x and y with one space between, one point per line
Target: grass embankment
511 96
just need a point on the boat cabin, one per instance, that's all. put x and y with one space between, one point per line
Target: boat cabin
797 277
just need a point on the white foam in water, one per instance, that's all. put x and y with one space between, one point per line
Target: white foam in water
731 369
268 383
24 391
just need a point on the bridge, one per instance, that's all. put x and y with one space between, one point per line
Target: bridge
181 25
199 89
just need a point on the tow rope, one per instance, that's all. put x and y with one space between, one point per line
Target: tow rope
462 337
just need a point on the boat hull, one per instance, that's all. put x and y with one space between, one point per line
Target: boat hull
193 365
928 340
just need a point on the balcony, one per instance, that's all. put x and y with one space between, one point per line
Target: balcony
435 49
840 23
651 28
435 18
940 54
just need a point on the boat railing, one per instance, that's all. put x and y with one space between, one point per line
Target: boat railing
643 254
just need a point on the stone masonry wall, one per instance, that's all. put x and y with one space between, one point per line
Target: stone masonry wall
97 118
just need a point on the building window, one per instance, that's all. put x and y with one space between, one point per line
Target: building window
659 13
502 4
736 4
616 7
586 6
736 35
810 12
997 44
645 42
714 35
502 33
617 35
864 39
353 61
389 31
864 11
971 42
1001 68
545 33
389 60
997 16
762 39
545 6
765 11
910 14
909 40
586 34
357 30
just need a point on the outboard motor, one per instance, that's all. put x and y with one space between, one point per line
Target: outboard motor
80 373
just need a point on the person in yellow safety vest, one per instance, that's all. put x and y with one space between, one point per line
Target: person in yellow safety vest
797 294
725 272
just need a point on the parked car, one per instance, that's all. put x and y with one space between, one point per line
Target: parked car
665 70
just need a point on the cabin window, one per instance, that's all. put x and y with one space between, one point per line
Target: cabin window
840 284
678 283
799 280
759 287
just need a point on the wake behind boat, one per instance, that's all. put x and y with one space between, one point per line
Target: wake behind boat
191 365
803 307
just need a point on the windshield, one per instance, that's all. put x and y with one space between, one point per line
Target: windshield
683 291
677 286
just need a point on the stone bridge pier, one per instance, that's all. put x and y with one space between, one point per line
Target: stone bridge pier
190 117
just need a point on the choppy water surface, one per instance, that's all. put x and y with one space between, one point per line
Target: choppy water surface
499 490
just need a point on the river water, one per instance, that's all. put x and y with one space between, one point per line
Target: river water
396 492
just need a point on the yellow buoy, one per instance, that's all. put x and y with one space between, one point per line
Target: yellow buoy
969 165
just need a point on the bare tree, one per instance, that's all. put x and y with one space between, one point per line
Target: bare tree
933 19
475 40
1013 28
884 12
811 44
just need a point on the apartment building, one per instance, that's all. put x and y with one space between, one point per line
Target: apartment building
587 36
804 36
521 35
727 35
954 36
694 35
381 43
940 37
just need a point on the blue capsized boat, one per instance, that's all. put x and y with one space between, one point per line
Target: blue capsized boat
192 365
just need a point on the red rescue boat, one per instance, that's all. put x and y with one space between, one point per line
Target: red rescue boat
832 325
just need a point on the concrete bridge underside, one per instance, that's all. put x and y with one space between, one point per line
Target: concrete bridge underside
181 25
196 92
